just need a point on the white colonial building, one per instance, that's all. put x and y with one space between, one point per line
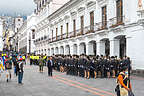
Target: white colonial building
1 35
92 27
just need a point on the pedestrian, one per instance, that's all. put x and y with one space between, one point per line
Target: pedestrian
50 65
124 85
15 64
20 71
8 67
1 66
41 64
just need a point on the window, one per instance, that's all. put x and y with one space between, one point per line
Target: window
74 27
67 29
61 32
119 9
33 34
104 17
56 33
92 21
82 24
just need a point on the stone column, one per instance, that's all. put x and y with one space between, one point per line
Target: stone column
87 49
71 49
78 49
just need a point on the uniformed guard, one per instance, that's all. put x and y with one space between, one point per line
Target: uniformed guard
112 66
100 67
107 67
95 66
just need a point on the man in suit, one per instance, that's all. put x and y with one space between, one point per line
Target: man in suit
50 65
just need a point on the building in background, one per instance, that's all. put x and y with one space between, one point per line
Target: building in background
1 35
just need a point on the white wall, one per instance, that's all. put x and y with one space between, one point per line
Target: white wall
1 34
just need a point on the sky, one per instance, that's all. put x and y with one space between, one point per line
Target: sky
16 7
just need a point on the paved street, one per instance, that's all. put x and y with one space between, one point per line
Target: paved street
39 84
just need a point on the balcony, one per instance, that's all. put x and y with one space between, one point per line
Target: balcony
49 40
71 34
64 36
80 32
53 39
116 21
89 29
101 26
58 37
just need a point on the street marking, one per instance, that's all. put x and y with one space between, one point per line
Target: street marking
84 85
68 83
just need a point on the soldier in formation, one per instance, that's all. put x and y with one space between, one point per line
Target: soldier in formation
85 66
90 66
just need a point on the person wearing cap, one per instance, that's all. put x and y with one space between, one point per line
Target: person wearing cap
20 71
124 85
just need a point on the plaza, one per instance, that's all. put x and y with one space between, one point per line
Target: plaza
87 44
39 84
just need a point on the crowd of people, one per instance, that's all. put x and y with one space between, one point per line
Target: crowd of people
92 67
7 63
84 66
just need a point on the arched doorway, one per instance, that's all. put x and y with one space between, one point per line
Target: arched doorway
122 45
48 52
52 51
67 50
61 50
82 48
75 49
105 45
56 51
92 48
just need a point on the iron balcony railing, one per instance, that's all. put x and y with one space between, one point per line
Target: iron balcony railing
116 21
104 25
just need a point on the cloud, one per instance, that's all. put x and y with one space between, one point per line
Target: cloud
16 6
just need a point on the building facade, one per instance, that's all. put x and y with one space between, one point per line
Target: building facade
1 34
91 27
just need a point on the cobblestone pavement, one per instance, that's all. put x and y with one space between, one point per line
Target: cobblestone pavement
39 84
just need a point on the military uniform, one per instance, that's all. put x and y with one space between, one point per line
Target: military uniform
95 67
113 67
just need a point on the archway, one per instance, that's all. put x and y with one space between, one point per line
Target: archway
56 50
61 50
92 48
122 45
52 51
67 50
105 45
75 49
48 52
82 48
